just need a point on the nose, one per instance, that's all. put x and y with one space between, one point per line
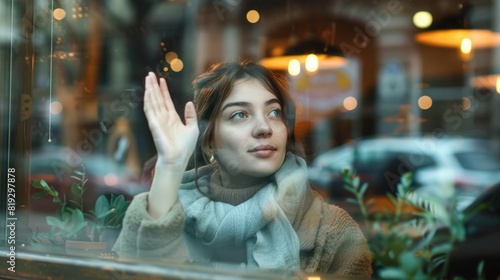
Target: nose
262 128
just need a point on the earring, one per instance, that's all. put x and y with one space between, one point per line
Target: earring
212 159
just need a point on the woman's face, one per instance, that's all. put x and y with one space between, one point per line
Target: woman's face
250 135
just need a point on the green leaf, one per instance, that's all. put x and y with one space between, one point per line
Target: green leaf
407 178
480 269
75 177
392 273
52 221
44 185
75 229
77 217
40 194
65 216
75 202
410 262
355 182
78 172
120 200
76 189
352 200
441 249
37 185
101 206
363 188
427 240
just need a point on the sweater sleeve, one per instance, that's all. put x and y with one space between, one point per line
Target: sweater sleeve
144 237
334 244
352 255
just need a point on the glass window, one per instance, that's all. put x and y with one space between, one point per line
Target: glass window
478 160
386 89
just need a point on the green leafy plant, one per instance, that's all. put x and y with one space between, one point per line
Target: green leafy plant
109 213
415 239
70 222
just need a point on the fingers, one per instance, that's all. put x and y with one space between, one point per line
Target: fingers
190 115
157 98
166 95
150 96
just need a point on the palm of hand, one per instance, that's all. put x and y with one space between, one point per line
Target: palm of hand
174 140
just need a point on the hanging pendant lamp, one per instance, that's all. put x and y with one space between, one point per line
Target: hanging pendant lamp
454 31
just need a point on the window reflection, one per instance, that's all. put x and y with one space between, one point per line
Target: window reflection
73 74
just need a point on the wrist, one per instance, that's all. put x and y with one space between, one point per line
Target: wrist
167 165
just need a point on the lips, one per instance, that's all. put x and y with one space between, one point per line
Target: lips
263 151
263 148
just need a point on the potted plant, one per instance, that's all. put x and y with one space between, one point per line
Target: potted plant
75 227
414 238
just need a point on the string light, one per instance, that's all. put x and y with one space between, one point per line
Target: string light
50 70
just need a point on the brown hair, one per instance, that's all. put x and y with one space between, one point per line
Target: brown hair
214 86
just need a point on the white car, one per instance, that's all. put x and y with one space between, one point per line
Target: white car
443 168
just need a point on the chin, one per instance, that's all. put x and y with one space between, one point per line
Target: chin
263 171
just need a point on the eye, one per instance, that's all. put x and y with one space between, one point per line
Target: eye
275 113
238 116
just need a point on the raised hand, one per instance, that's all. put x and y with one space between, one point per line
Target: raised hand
174 140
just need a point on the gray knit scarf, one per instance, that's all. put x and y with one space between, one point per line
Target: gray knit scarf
263 223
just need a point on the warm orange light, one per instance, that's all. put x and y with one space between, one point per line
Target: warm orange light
466 46
170 56
425 102
176 65
279 61
312 63
466 103
452 38
350 103
294 67
59 14
253 16
498 85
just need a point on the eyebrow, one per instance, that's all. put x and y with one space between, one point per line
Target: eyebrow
247 104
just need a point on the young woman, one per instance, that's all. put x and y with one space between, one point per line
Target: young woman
249 201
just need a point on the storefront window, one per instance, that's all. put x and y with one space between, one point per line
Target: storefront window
385 89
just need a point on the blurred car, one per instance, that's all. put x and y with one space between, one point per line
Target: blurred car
105 176
443 168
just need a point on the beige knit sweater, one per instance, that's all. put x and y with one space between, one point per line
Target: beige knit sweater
330 240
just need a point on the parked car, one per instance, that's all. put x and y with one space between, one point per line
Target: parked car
443 168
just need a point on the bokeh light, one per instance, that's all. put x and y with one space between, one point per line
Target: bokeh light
253 16
110 179
350 103
498 85
176 65
294 67
312 63
170 56
56 107
424 102
422 19
59 14
466 46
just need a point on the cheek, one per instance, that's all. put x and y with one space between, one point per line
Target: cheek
227 141
282 133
